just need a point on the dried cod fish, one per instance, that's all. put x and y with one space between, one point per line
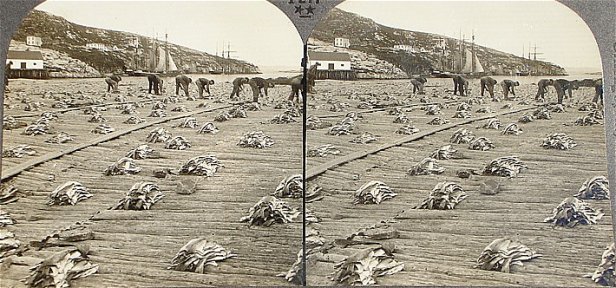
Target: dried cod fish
314 123
60 268
407 130
293 112
269 210
596 188
133 120
492 123
597 114
10 123
70 192
462 114
508 166
462 136
427 166
588 107
291 187
364 266
102 129
438 121
502 253
177 143
158 135
5 219
255 139
252 106
542 113
18 152
445 153
238 112
128 109
484 110
60 138
605 274
142 152
481 144
444 196
198 254
572 211
223 116
394 111
526 119
9 245
586 121
463 107
169 100
190 122
8 194
558 108
282 119
208 128
373 192
364 138
295 273
180 109
433 110
512 129
97 118
158 105
323 151
37 129
201 165
402 118
558 141
158 113
124 166
140 197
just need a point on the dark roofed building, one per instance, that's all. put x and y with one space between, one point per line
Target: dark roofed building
332 61
25 60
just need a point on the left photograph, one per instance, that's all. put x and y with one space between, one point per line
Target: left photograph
152 144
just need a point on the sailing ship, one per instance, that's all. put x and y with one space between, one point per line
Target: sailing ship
464 61
157 60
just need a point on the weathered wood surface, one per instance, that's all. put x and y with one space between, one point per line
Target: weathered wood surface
441 247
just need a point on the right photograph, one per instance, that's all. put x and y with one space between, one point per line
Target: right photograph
456 143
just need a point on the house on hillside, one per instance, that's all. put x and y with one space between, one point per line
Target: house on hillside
97 46
405 48
332 65
342 42
34 41
26 64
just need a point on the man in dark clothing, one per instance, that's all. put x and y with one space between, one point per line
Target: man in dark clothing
204 85
598 92
112 83
182 81
258 83
542 88
508 86
563 86
460 84
156 83
238 85
488 83
418 84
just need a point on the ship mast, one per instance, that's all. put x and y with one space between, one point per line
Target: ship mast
166 53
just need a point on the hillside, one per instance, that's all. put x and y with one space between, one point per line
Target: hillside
65 37
432 53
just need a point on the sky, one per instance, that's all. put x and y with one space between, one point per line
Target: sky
263 35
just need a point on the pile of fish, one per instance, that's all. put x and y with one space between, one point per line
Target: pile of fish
462 114
364 266
605 274
295 273
596 188
394 111
323 151
36 129
462 136
492 123
60 268
177 143
5 219
222 116
10 123
190 122
339 107
572 211
502 253
373 192
9 245
484 110
586 121
438 121
427 166
238 112
558 141
444 196
481 144
402 118
180 109
542 113
463 107
202 166
282 119
123 166
208 128
158 105
97 118
198 254
291 187
314 123
133 120
270 210
341 129
588 107
70 193
252 106
102 129
142 152
526 119
8 194
59 138
512 129
18 152
445 153
158 113
407 130
432 109
140 197
128 109
255 139
293 112
558 108
364 138
158 135
507 166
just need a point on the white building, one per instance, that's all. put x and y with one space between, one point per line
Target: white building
97 46
34 41
342 42
25 60
332 61
406 48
